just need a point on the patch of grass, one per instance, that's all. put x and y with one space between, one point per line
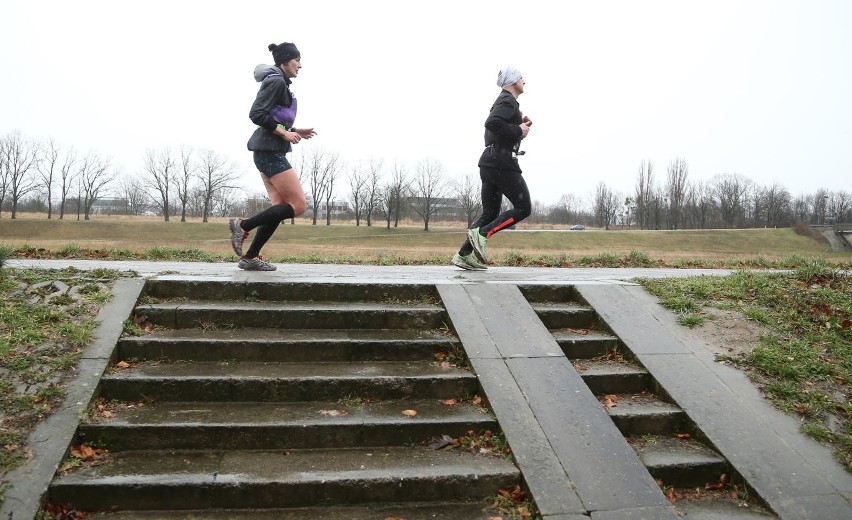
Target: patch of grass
40 343
804 363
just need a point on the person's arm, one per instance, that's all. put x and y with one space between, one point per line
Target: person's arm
261 110
499 121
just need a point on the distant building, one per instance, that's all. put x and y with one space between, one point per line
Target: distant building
110 206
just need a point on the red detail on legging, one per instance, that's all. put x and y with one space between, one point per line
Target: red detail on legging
506 223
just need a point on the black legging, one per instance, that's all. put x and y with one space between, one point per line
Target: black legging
496 184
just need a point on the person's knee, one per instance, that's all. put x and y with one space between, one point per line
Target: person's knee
299 206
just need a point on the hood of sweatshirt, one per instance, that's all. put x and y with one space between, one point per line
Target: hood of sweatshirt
262 71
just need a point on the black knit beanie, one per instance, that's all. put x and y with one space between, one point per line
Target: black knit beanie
284 52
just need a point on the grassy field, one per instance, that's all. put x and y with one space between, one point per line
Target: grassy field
151 238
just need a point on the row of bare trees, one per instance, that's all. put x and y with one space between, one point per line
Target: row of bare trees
28 167
725 201
44 176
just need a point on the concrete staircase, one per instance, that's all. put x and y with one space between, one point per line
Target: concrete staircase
256 400
671 447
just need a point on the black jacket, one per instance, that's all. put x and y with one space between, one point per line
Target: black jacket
502 134
274 90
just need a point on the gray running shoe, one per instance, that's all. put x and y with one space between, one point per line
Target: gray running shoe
255 264
478 242
238 235
469 262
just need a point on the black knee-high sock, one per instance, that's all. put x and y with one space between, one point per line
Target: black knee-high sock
275 214
263 234
266 223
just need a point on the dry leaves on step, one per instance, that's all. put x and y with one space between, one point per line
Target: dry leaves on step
334 413
409 413
449 402
610 401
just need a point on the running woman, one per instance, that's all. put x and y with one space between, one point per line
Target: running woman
499 171
274 112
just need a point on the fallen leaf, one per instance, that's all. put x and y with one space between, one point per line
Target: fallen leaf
682 435
582 332
477 400
723 480
107 414
845 324
449 402
394 518
334 413
82 451
445 364
410 413
495 518
123 364
442 442
580 367
799 408
671 495
610 401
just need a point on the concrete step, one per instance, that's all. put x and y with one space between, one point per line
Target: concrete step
613 377
565 315
480 510
586 343
164 288
645 414
292 315
719 508
275 382
298 425
680 462
288 345
191 480
538 293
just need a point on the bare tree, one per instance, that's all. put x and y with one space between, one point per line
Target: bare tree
676 190
731 191
776 204
186 171
133 191
357 180
606 205
94 174
47 169
644 194
20 157
332 171
428 188
215 175
396 192
225 202
160 170
4 173
467 193
839 206
372 188
568 205
317 167
67 178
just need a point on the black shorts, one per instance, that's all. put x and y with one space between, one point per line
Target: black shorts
271 163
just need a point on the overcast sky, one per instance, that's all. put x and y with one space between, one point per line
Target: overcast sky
758 88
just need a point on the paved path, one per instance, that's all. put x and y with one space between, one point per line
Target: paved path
367 273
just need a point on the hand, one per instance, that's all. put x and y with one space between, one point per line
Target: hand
292 137
527 120
305 133
525 128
